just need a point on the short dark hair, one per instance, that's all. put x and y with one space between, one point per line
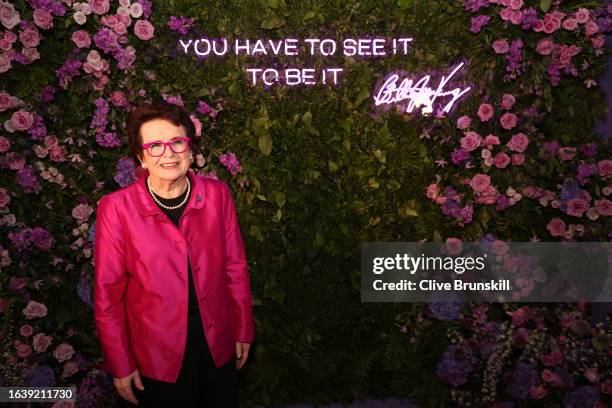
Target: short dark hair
145 113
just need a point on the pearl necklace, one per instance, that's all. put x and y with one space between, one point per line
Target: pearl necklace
168 207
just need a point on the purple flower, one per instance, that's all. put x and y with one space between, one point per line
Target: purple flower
38 130
445 309
108 139
20 240
589 149
503 202
231 163
523 379
106 40
180 24
84 290
456 364
585 171
41 238
146 7
530 17
474 5
174 100
551 147
478 22
68 72
460 155
52 6
48 94
27 179
42 376
125 171
583 397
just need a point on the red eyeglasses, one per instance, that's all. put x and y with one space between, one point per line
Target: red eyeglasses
158 148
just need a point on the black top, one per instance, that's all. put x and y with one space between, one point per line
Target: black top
175 215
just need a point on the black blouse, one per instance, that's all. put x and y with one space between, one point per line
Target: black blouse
175 215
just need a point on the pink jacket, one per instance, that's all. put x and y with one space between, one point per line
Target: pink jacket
140 288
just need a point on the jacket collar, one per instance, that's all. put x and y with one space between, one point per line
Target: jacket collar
146 205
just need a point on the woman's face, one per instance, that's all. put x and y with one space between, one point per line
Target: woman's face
163 130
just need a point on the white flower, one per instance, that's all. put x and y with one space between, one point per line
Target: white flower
86 9
80 18
123 10
136 10
124 3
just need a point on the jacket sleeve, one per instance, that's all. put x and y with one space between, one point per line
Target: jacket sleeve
109 290
237 272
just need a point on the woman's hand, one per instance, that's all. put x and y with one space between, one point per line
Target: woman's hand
242 352
124 386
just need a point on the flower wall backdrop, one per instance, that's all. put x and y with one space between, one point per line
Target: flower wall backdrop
316 171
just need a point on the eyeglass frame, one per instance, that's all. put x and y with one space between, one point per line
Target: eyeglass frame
166 144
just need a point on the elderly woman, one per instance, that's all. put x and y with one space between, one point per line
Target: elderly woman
172 300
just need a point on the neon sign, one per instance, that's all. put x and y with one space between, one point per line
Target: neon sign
417 94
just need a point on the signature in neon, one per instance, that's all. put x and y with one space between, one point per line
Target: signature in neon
418 93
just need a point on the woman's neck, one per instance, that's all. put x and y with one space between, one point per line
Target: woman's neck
168 189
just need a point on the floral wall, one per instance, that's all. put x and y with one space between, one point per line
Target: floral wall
316 171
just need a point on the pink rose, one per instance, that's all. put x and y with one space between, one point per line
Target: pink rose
35 309
591 374
50 140
567 153
591 28
570 24
26 330
501 46
520 316
603 207
538 392
464 122
31 54
432 191
576 207
551 26
15 161
480 182
487 196
5 62
57 154
556 227
582 15
598 41
22 120
518 143
63 352
82 212
501 160
545 47
5 198
538 26
23 350
9 17
5 144
43 19
506 14
81 39
470 141
517 159
485 112
143 30
551 378
118 98
516 4
99 7
454 246
604 169
5 101
70 368
516 17
197 124
41 342
491 140
508 120
29 38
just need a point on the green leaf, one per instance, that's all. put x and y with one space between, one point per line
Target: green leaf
361 96
308 16
272 22
545 5
265 144
279 198
256 232
307 118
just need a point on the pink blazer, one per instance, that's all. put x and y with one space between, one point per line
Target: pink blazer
141 286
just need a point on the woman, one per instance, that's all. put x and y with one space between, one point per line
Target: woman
172 299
